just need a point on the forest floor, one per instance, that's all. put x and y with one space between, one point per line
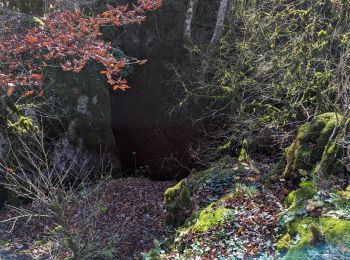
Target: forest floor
135 206
132 214
132 211
253 231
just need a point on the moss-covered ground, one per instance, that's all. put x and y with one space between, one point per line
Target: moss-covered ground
231 214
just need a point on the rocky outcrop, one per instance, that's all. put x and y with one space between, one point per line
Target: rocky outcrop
74 116
226 211
83 107
215 182
313 151
316 219
213 211
316 222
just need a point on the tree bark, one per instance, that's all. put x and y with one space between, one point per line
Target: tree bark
188 20
219 22
224 4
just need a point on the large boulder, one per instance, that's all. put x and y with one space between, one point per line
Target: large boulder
82 103
316 222
201 189
216 214
76 115
312 151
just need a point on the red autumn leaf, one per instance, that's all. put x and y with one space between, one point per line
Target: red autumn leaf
36 77
10 90
71 40
29 93
32 40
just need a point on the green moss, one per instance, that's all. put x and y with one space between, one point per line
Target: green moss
218 181
301 230
345 194
311 148
313 233
226 147
296 199
302 227
210 217
284 243
330 162
336 230
177 202
243 155
305 233
23 125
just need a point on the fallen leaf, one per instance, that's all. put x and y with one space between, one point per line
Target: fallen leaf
10 90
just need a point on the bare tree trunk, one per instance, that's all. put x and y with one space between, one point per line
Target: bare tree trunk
188 20
224 4
219 22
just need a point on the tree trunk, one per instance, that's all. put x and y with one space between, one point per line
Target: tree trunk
224 4
219 23
188 20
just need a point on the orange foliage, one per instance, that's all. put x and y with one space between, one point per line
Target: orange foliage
68 40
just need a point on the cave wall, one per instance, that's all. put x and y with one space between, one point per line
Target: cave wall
140 116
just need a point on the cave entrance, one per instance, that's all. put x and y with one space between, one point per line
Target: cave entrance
148 140
160 153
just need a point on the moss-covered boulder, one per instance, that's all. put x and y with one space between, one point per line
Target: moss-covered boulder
307 237
296 201
312 150
315 221
83 105
229 214
178 203
201 189
316 213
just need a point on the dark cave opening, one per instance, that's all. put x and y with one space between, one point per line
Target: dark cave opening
157 153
